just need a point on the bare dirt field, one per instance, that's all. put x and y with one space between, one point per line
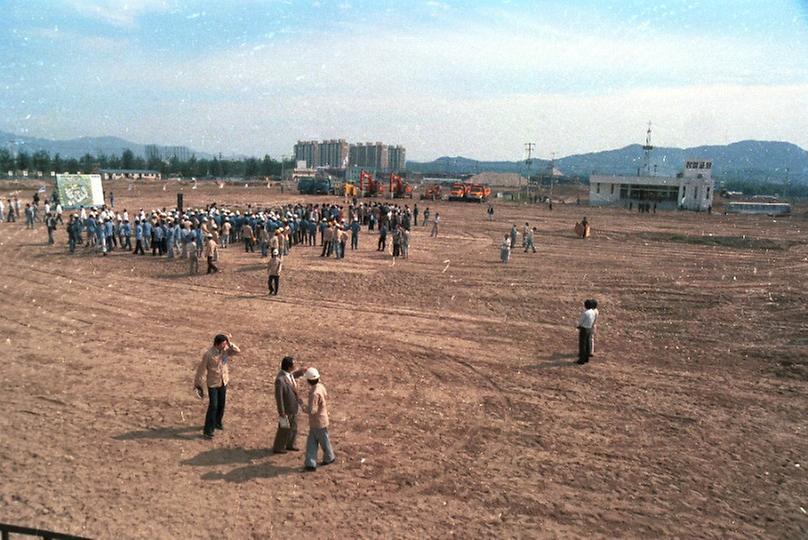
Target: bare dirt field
456 406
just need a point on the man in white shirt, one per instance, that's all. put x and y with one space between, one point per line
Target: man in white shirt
585 324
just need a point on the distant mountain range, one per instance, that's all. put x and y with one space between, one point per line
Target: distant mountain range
76 148
744 160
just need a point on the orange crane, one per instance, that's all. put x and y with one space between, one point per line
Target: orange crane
369 186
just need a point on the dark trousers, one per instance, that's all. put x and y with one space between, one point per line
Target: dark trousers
396 249
139 247
216 401
249 246
212 268
326 248
382 243
355 242
584 345
285 437
273 283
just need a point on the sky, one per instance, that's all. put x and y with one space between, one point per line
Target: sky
472 78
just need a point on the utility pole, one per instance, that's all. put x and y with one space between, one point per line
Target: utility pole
647 151
552 174
529 146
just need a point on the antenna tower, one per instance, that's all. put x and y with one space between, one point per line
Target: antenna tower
529 146
647 151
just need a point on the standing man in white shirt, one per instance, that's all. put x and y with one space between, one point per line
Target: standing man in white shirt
585 325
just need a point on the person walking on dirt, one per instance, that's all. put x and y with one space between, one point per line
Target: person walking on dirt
213 373
593 305
210 253
382 237
249 239
275 265
585 324
286 401
355 228
514 234
528 239
192 254
490 212
415 215
435 224
315 406
505 249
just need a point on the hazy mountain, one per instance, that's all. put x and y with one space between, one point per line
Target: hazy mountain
75 148
747 160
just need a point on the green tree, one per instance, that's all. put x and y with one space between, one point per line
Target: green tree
6 161
23 161
128 159
86 163
41 161
57 164
251 168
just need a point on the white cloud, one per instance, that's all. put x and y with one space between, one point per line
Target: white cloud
123 13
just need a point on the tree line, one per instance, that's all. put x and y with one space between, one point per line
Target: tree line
193 167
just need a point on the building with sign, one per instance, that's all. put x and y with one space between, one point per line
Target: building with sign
692 189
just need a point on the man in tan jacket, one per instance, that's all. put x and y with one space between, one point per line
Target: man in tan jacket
316 408
213 373
211 253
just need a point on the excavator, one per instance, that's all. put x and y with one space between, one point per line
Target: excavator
369 186
431 193
398 188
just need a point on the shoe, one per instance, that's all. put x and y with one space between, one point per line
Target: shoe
309 469
324 463
207 435
581 362
220 426
279 451
293 449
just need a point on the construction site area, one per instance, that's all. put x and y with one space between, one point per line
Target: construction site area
456 405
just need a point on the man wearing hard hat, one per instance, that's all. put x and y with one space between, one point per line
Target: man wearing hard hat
315 407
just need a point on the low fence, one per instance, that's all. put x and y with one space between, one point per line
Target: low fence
7 530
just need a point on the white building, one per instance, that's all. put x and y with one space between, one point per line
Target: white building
691 190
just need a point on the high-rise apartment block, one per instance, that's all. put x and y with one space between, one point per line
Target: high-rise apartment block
331 153
338 153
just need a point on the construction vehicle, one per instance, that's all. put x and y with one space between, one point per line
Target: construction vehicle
368 185
458 192
350 190
309 185
477 193
398 188
432 193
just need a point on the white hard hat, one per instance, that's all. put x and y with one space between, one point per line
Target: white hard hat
312 374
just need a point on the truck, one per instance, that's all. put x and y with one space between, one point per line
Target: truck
477 193
458 191
310 185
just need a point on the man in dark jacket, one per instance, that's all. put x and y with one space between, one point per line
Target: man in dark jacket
286 401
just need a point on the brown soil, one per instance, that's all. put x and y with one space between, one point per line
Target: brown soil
456 407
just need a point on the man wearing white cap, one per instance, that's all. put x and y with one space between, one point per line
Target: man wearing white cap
315 407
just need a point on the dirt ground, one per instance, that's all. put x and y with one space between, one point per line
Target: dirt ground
456 407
